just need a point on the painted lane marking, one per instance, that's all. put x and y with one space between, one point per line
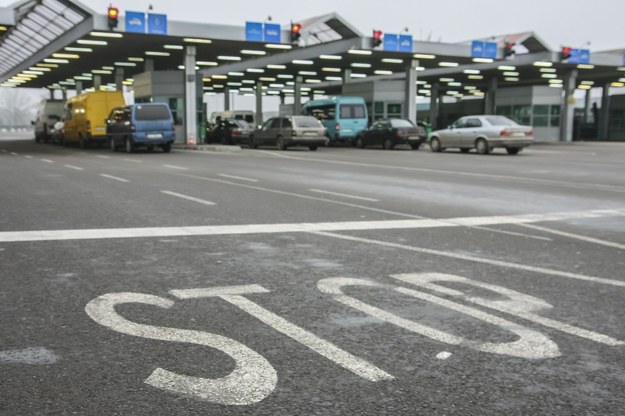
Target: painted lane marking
443 355
175 167
535 237
73 167
158 232
320 191
47 160
517 304
103 157
30 356
499 263
324 348
14 154
28 156
575 236
189 198
515 179
223 175
133 160
115 178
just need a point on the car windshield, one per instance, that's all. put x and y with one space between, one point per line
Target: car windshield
401 124
306 122
500 121
152 112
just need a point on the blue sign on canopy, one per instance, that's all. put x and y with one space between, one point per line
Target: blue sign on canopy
481 49
490 50
579 56
391 42
405 43
253 31
157 24
135 22
272 33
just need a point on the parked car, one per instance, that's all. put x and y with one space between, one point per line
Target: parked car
230 131
50 113
285 132
483 133
388 133
85 117
146 125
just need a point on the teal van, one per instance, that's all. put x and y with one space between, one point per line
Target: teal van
343 117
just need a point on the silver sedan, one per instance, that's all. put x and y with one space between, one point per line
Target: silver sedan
483 133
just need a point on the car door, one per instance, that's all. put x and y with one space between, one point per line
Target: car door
375 133
452 138
471 131
263 134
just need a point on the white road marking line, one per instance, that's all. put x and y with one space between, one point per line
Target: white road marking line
14 154
175 167
320 191
47 160
282 155
30 356
133 160
223 175
28 156
443 355
499 263
103 157
535 237
73 167
324 348
115 178
576 236
109 233
190 198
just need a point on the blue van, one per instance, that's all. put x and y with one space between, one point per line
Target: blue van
146 125
343 117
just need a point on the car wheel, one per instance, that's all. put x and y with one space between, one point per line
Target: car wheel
280 143
435 145
388 144
464 150
112 144
313 148
129 146
415 146
514 150
167 148
481 146
360 143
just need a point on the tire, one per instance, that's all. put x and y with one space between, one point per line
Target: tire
252 144
112 144
129 147
360 143
514 150
280 144
481 146
388 144
312 148
167 148
435 145
415 146
464 150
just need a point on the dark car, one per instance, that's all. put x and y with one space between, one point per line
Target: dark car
388 133
290 131
230 131
146 125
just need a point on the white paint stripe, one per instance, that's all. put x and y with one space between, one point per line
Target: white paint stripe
133 160
96 234
324 348
190 198
175 167
14 154
223 175
498 263
535 237
103 157
575 236
28 157
73 167
115 178
320 191
47 160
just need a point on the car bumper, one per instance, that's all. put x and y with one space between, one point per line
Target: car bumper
307 141
511 143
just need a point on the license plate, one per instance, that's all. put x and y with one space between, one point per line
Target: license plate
413 137
100 128
155 136
310 133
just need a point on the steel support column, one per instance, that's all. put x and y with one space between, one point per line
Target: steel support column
259 103
490 100
190 96
568 107
604 114
297 103
434 108
119 79
410 99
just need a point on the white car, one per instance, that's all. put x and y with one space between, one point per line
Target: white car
483 133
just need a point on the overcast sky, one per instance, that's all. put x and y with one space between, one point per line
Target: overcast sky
558 22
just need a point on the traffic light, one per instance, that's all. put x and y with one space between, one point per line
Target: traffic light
295 32
377 38
113 14
508 49
565 53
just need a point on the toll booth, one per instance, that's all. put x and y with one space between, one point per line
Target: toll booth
168 87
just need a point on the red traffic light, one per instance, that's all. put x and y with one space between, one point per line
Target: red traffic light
295 32
377 38
566 52
113 14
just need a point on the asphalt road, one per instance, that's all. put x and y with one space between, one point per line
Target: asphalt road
336 282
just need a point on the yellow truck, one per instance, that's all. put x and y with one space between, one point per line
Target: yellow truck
85 116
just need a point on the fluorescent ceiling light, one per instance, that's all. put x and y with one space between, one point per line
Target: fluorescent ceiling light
361 65
229 58
483 60
309 73
277 46
206 63
267 79
326 69
446 79
48 65
334 79
273 66
36 68
302 62
108 68
359 52
423 56
547 76
478 77
392 61
31 72
588 82
356 75
92 42
471 71
106 35
253 52
256 70
313 81
102 72
511 74
65 55
236 74
383 72
455 84
220 77
125 64
56 61
543 64
585 66
556 81
448 64
548 70
331 57
618 84
174 47
154 53
135 59
72 49
506 68
285 76
511 79
197 40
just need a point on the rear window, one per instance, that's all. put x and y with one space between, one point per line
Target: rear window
152 112
500 121
307 122
401 124
352 111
